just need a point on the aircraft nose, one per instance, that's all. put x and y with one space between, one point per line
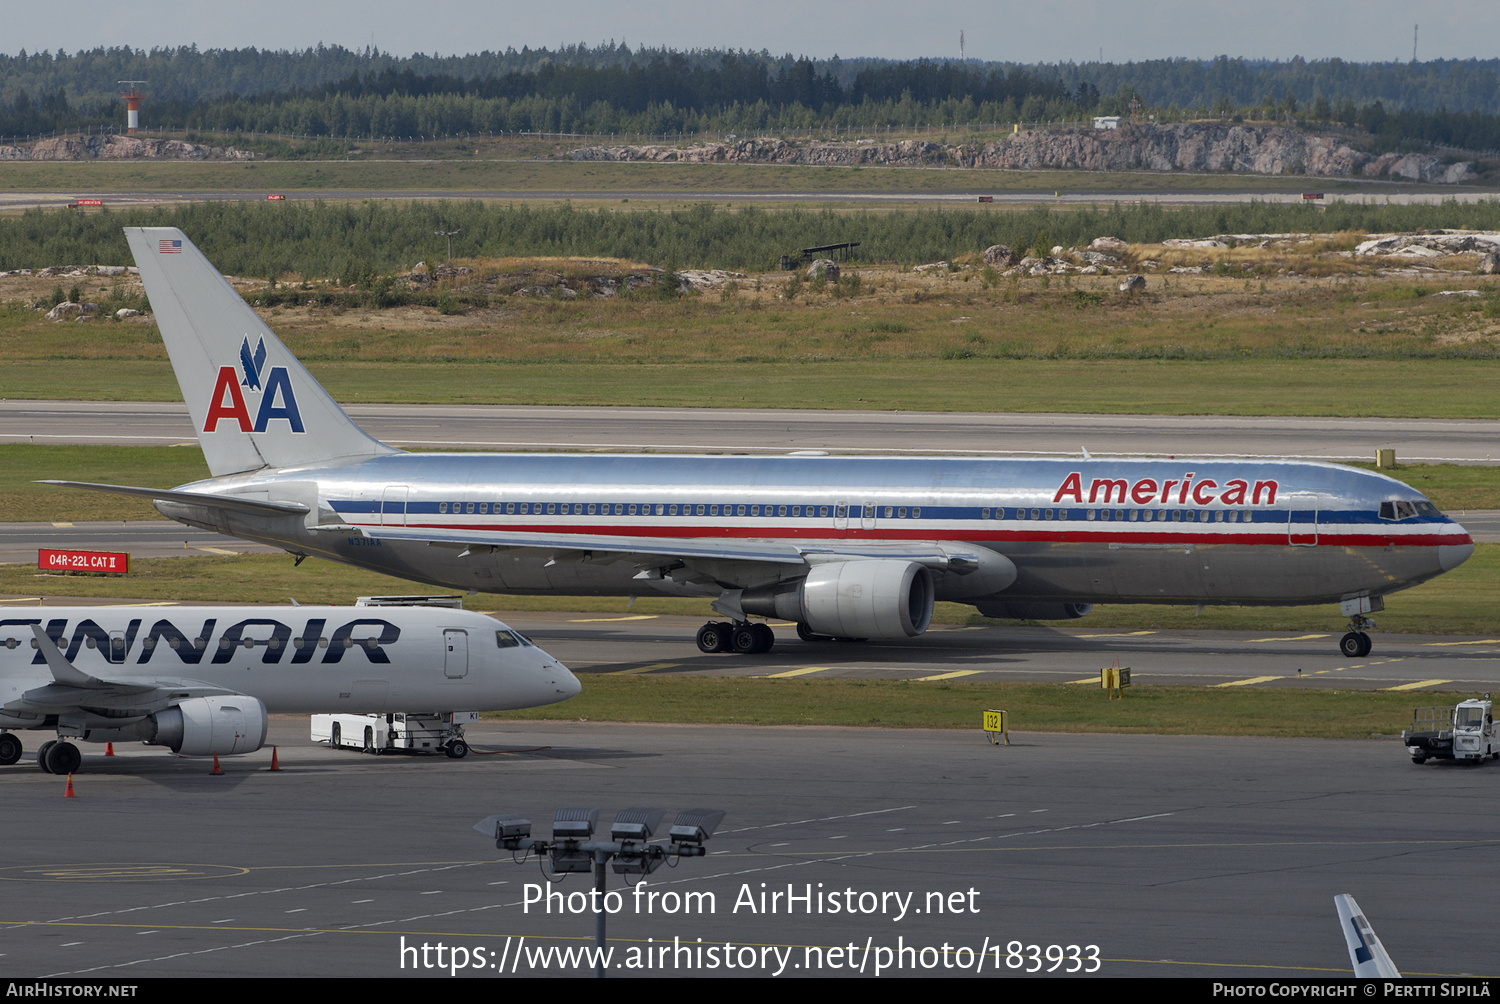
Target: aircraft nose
569 685
1450 556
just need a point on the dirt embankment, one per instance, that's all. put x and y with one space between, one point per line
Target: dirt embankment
97 147
1185 147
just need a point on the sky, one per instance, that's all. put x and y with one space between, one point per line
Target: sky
1031 31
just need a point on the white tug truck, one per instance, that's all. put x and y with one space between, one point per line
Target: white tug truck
404 732
1465 731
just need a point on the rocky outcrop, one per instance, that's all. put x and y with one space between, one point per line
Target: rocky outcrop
97 147
1191 146
999 256
1432 244
823 270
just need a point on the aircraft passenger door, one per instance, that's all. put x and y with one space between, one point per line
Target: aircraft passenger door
841 516
455 653
393 505
867 516
1302 519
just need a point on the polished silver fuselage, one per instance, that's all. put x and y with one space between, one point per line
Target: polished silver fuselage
1119 530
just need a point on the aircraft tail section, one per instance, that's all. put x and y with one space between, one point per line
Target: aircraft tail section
252 403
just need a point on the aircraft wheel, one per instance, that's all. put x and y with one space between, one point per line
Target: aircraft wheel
713 637
336 738
10 749
1351 645
745 639
457 749
1365 644
64 758
41 755
766 637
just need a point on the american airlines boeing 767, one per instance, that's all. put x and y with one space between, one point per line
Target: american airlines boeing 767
847 547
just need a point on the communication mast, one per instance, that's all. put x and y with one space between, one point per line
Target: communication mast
132 105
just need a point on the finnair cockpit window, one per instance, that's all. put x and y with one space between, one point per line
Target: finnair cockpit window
511 639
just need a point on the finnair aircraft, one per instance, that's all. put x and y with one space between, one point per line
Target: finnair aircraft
201 680
848 547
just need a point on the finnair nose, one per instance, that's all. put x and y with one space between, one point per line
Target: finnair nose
569 685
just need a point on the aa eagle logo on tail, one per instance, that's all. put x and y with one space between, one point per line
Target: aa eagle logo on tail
277 399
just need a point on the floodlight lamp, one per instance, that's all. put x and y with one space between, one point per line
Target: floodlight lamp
574 824
508 830
636 824
695 826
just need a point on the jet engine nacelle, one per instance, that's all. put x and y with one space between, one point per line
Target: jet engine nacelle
876 598
1033 611
205 725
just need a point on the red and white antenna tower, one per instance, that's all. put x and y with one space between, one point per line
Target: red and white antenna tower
132 105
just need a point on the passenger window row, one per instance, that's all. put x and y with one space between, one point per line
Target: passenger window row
846 511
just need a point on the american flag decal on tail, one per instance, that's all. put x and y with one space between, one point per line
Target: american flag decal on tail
169 247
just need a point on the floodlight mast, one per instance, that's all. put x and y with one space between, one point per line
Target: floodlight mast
572 850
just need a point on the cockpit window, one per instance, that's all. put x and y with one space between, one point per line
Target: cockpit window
509 639
1407 510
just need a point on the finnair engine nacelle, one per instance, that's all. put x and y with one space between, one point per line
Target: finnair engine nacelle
877 598
203 726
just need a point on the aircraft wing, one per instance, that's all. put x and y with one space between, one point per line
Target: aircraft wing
1366 952
72 688
957 557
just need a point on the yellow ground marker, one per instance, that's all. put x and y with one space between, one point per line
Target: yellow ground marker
1117 634
62 524
798 672
1086 679
1449 644
603 620
216 550
1300 637
1246 683
1418 685
637 670
950 676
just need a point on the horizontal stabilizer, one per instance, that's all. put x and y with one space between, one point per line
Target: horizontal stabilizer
252 506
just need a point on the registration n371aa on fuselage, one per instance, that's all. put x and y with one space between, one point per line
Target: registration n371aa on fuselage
847 547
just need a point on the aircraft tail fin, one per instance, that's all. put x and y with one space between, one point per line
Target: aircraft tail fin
252 403
1366 953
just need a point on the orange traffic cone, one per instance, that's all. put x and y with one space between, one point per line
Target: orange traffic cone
275 764
69 792
109 749
216 769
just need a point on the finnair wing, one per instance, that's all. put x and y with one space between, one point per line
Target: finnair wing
72 687
1365 950
956 557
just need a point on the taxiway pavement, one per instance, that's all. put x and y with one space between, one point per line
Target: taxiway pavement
1175 856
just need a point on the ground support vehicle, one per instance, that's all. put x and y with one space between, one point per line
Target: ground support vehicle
401 732
1465 731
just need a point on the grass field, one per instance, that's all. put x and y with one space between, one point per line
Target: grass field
1286 712
528 177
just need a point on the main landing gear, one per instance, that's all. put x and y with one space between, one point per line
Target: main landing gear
57 757
1356 644
742 637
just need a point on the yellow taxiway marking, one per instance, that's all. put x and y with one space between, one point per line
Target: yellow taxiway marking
798 672
215 550
1246 683
23 599
1418 685
1117 634
950 676
637 670
602 620
1086 679
1447 644
1300 637
62 524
